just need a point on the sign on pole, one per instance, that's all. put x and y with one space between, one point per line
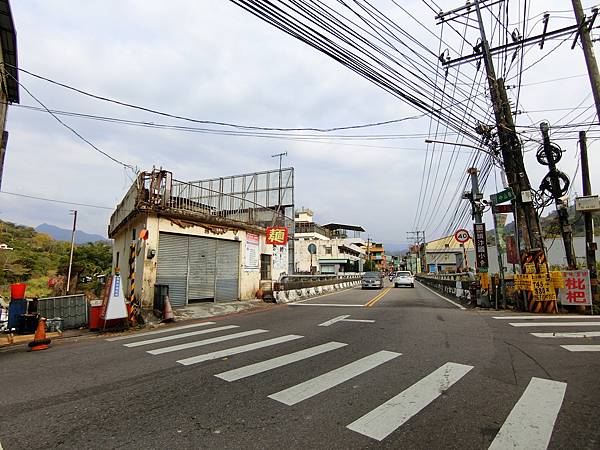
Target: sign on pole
462 236
502 196
481 253
502 209
577 290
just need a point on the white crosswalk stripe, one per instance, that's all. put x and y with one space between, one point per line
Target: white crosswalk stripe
582 348
164 330
386 418
237 350
555 324
314 386
269 364
174 348
179 336
530 424
576 334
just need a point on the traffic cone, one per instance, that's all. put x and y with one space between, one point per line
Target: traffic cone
39 340
168 315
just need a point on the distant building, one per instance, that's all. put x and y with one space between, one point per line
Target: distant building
376 253
9 89
327 249
205 244
447 255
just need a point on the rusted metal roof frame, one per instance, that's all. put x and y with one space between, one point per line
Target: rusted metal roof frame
8 40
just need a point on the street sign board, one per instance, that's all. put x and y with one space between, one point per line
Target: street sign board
577 290
502 209
461 236
587 203
480 247
277 235
502 196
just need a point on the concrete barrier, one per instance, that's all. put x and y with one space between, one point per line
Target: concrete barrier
293 295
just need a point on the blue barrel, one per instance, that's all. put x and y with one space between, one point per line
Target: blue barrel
15 309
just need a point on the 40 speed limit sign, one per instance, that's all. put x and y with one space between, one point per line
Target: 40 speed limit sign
462 236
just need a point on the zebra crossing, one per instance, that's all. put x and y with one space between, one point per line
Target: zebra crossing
529 425
559 324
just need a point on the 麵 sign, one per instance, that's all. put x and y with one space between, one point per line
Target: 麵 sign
277 235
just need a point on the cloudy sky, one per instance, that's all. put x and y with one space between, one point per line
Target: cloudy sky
211 60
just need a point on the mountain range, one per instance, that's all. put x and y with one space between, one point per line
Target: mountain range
62 234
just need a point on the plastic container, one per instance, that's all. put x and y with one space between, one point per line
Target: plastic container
94 320
15 309
17 291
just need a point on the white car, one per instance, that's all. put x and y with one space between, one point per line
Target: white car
404 278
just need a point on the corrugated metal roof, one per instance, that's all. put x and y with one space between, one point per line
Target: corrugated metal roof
8 41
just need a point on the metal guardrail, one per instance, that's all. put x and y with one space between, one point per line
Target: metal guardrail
453 285
72 309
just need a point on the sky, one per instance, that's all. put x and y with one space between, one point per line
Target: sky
213 61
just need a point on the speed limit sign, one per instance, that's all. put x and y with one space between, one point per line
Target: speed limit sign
462 236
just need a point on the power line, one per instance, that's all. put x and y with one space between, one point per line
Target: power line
55 200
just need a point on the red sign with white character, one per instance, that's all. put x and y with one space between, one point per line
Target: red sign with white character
577 290
277 235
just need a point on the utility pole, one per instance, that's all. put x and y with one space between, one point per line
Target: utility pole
552 183
72 246
590 245
418 237
588 51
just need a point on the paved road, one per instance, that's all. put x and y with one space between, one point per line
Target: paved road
394 368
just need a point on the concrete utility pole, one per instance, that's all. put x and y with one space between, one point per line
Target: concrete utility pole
588 53
556 192
72 246
590 245
511 150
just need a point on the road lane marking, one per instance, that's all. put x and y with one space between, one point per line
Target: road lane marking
179 336
344 318
530 423
556 324
174 348
582 348
334 320
377 298
166 330
547 317
314 386
269 364
459 306
389 416
324 304
577 334
237 350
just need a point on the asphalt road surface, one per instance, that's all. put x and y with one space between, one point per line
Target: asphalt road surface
392 368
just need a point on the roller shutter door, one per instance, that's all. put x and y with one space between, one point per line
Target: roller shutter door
201 280
227 271
172 266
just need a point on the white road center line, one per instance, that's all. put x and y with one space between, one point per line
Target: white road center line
358 320
174 348
263 366
314 386
389 416
556 324
530 423
165 330
180 336
334 320
546 317
237 350
577 334
582 348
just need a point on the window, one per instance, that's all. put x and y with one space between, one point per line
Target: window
265 267
328 250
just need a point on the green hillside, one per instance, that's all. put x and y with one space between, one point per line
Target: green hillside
37 257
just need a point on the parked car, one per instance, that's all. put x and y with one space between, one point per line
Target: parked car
404 278
372 280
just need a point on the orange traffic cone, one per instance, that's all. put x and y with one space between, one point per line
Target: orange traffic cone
167 311
39 340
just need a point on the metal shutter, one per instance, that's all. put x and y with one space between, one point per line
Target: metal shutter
172 266
228 269
201 281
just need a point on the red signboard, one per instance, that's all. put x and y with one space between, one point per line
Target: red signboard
512 255
502 209
277 235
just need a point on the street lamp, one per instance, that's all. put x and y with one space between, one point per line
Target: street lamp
481 149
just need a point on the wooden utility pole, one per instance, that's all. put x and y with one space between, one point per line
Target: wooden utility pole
588 53
556 191
590 245
72 246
